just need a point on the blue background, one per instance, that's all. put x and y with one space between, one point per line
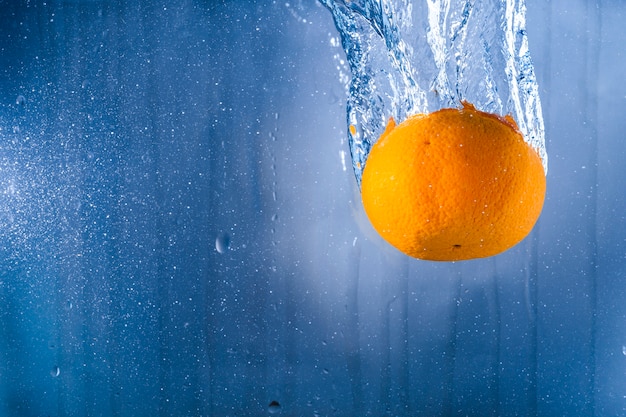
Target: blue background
181 233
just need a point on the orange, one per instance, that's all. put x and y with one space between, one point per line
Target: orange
452 185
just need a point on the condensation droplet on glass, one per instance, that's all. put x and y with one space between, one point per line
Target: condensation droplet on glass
55 371
222 242
274 407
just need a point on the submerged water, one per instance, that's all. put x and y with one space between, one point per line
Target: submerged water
408 57
178 238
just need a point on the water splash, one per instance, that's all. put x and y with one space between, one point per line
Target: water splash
408 57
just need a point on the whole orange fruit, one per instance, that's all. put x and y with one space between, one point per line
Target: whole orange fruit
452 185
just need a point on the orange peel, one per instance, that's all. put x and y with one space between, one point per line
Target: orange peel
452 185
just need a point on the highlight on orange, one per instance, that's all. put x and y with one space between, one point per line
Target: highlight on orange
453 185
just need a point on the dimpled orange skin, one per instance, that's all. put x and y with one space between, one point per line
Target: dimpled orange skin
452 185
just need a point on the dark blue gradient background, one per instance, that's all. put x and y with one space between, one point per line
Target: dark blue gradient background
134 134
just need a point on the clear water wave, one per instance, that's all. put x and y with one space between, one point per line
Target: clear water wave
408 57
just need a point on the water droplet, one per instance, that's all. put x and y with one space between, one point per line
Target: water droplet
274 407
222 242
55 371
20 100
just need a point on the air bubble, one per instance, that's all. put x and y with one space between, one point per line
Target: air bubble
20 100
55 371
274 407
222 242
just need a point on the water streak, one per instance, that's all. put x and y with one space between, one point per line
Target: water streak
408 57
